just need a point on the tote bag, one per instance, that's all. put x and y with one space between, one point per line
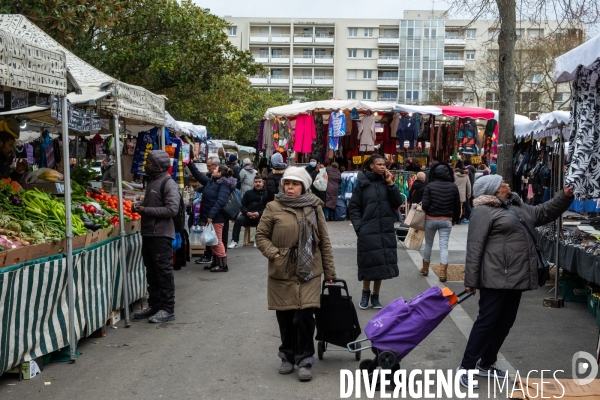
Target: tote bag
416 217
414 239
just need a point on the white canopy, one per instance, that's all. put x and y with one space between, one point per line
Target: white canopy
567 64
547 125
432 110
197 131
24 65
519 119
291 110
131 102
172 124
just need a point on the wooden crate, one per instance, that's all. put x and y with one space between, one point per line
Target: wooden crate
196 250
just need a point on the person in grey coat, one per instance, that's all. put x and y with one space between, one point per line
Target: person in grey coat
160 205
502 263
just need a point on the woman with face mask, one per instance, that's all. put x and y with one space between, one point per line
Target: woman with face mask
313 169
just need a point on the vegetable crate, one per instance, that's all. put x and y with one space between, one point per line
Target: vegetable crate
573 289
591 300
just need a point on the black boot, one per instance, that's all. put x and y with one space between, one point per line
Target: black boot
212 264
222 267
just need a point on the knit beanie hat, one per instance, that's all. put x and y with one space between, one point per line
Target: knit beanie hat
297 174
246 161
487 185
232 158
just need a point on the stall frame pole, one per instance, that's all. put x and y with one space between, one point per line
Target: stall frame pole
123 252
69 231
163 132
559 225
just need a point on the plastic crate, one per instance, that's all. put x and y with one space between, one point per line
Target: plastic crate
591 300
597 300
573 289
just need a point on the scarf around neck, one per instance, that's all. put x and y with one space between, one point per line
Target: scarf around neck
307 229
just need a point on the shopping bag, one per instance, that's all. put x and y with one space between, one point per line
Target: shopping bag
414 239
233 206
416 217
320 182
209 236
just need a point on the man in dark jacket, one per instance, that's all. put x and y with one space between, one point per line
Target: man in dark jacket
235 167
274 177
7 152
158 232
253 205
313 169
415 195
502 262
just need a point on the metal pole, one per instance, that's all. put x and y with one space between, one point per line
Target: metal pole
69 230
76 150
560 180
163 132
122 222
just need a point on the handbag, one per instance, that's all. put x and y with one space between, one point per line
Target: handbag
416 217
543 268
233 206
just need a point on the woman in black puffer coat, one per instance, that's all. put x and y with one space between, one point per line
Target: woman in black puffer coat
372 209
441 203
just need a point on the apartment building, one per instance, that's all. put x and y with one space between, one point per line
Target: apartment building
407 60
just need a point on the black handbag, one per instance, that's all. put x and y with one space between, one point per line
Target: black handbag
543 268
233 206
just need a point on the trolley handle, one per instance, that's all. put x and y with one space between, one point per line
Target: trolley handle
464 295
337 280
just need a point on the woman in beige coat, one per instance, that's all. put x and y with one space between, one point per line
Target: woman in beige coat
292 234
461 179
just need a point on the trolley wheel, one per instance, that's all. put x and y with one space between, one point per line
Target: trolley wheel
387 359
321 349
364 364
357 354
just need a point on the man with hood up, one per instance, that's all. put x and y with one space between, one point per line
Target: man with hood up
160 205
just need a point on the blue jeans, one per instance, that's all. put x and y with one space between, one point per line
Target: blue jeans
431 227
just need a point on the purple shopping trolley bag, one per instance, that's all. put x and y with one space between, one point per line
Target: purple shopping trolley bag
400 326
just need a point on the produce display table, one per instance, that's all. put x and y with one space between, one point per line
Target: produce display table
34 301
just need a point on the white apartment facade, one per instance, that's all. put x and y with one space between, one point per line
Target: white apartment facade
403 60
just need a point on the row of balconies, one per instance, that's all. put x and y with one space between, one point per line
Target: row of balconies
395 40
453 62
286 38
296 80
452 82
299 59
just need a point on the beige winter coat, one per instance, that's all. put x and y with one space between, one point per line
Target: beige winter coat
461 179
276 233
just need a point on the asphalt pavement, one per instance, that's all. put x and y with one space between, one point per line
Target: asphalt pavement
224 342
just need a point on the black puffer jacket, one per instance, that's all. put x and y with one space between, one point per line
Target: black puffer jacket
273 182
254 201
415 195
441 197
372 212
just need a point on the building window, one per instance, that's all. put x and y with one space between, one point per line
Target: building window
307 53
388 96
276 53
469 97
452 35
493 35
351 94
352 32
471 33
492 100
534 33
320 53
264 53
367 74
232 31
412 95
368 53
470 54
276 73
368 32
519 33
351 74
534 78
366 95
351 53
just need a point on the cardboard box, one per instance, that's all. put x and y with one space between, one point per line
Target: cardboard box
13 256
57 188
569 389
132 226
30 370
39 251
92 238
114 317
59 247
79 242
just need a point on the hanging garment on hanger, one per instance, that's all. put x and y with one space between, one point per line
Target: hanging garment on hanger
305 133
317 144
261 128
337 124
367 134
394 125
268 138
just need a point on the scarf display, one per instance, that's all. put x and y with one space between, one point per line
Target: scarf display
307 229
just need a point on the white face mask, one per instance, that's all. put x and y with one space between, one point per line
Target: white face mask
313 164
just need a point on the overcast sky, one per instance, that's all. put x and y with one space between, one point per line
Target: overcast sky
317 8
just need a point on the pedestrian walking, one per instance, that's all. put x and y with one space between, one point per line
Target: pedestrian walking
313 168
461 178
274 177
334 178
160 205
372 209
292 234
441 203
415 194
247 175
502 263
253 206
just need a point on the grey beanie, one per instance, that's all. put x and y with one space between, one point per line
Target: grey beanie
488 184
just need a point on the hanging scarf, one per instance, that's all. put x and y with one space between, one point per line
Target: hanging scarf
307 229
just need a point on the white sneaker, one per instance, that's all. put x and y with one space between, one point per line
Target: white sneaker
232 245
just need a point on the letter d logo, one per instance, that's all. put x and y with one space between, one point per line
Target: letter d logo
580 367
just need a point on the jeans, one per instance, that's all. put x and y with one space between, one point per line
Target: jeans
431 227
157 253
297 330
240 221
497 313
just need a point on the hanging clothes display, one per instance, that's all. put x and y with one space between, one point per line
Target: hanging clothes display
268 138
337 124
408 130
583 171
317 144
394 126
366 134
468 139
305 133
261 128
488 138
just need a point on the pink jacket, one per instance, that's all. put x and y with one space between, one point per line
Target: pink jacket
305 133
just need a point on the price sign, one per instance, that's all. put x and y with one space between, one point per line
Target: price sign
475 160
400 159
357 160
18 99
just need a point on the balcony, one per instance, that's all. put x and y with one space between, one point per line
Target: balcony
302 80
388 39
259 37
321 59
259 80
388 99
280 59
327 38
280 38
303 38
279 80
387 81
388 61
302 59
454 82
262 60
455 41
323 80
454 62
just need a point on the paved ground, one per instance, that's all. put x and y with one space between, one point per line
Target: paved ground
224 342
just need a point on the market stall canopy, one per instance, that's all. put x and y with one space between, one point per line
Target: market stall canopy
197 131
27 66
291 110
585 54
547 125
133 103
450 111
519 119
172 124
246 150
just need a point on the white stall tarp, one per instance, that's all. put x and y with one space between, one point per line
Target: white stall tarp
28 66
585 54
547 125
291 110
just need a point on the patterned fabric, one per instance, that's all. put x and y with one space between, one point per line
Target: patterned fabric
317 146
584 144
